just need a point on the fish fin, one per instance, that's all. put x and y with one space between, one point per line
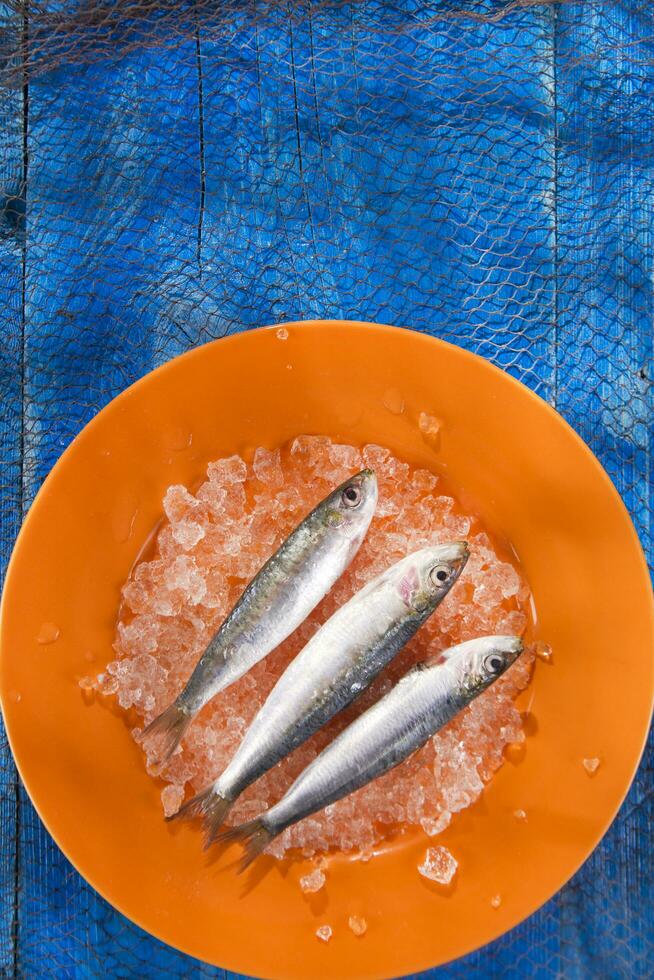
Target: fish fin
170 726
215 812
193 807
254 835
209 805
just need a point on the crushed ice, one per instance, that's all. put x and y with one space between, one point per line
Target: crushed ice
215 540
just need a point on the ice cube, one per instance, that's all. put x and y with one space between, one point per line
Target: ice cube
438 865
188 533
313 881
430 427
508 580
424 481
376 457
227 471
433 826
106 683
357 924
591 766
184 575
171 797
324 933
268 468
345 457
310 449
177 503
543 651
214 495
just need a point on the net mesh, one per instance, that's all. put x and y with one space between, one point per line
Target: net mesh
173 172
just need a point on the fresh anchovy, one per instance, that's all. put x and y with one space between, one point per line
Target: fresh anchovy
280 597
422 702
335 666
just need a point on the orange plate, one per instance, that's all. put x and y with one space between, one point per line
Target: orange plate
533 479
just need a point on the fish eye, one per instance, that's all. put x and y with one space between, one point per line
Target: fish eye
494 663
351 496
439 574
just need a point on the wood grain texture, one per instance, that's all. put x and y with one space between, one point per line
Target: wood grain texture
12 242
488 183
605 212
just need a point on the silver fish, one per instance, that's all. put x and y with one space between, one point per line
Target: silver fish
419 705
280 597
334 667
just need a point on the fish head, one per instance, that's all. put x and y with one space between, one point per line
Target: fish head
426 576
351 506
477 663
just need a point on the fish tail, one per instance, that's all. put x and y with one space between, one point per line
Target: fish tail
170 727
215 813
254 835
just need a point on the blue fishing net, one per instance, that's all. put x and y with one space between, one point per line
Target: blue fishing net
174 172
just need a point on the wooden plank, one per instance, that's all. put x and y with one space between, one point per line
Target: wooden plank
11 329
605 256
112 244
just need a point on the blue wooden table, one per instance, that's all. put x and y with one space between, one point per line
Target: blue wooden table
182 173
